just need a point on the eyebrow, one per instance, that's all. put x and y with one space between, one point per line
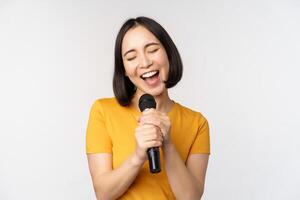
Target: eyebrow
147 45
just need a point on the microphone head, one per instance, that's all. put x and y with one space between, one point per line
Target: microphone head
146 101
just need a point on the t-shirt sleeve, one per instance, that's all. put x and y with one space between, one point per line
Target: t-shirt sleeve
202 141
97 136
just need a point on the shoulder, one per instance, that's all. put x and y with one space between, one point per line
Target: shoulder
191 114
107 105
106 102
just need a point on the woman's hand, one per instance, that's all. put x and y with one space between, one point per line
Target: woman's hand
159 120
147 136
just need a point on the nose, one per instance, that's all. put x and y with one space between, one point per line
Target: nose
145 62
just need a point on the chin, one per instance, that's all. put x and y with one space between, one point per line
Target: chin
156 91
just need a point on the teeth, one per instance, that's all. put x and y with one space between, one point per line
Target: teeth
149 74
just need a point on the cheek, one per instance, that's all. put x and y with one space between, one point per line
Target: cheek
162 59
164 63
129 70
130 74
130 67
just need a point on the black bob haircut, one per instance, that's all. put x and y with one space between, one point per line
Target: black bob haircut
123 88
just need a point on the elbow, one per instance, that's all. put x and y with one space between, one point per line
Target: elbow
196 194
101 194
200 195
102 197
101 189
200 191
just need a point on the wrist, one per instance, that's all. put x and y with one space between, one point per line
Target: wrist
168 146
136 160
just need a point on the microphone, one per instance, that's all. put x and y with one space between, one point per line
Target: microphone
148 101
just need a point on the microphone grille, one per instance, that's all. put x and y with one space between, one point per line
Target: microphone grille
146 101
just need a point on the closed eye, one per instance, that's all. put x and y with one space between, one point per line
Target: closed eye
152 51
129 59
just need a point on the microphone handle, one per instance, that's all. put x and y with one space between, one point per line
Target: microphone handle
154 159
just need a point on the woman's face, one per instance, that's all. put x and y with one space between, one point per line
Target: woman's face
145 60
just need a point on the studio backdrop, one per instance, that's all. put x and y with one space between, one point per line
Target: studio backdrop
241 70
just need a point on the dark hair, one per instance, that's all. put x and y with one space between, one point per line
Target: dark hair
123 88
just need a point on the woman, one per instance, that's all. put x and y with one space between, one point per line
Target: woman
118 135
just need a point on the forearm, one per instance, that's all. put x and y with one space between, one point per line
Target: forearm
113 184
182 182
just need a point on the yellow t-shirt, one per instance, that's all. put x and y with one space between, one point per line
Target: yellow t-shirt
111 129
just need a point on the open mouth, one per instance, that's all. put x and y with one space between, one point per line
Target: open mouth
150 75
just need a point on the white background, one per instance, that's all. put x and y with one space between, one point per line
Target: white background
241 70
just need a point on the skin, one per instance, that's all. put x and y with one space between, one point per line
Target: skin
142 52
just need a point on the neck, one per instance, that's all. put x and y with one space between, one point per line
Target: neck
163 101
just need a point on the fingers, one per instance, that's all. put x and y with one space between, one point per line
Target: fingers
152 121
162 121
152 111
149 132
153 137
153 129
151 144
148 136
154 118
